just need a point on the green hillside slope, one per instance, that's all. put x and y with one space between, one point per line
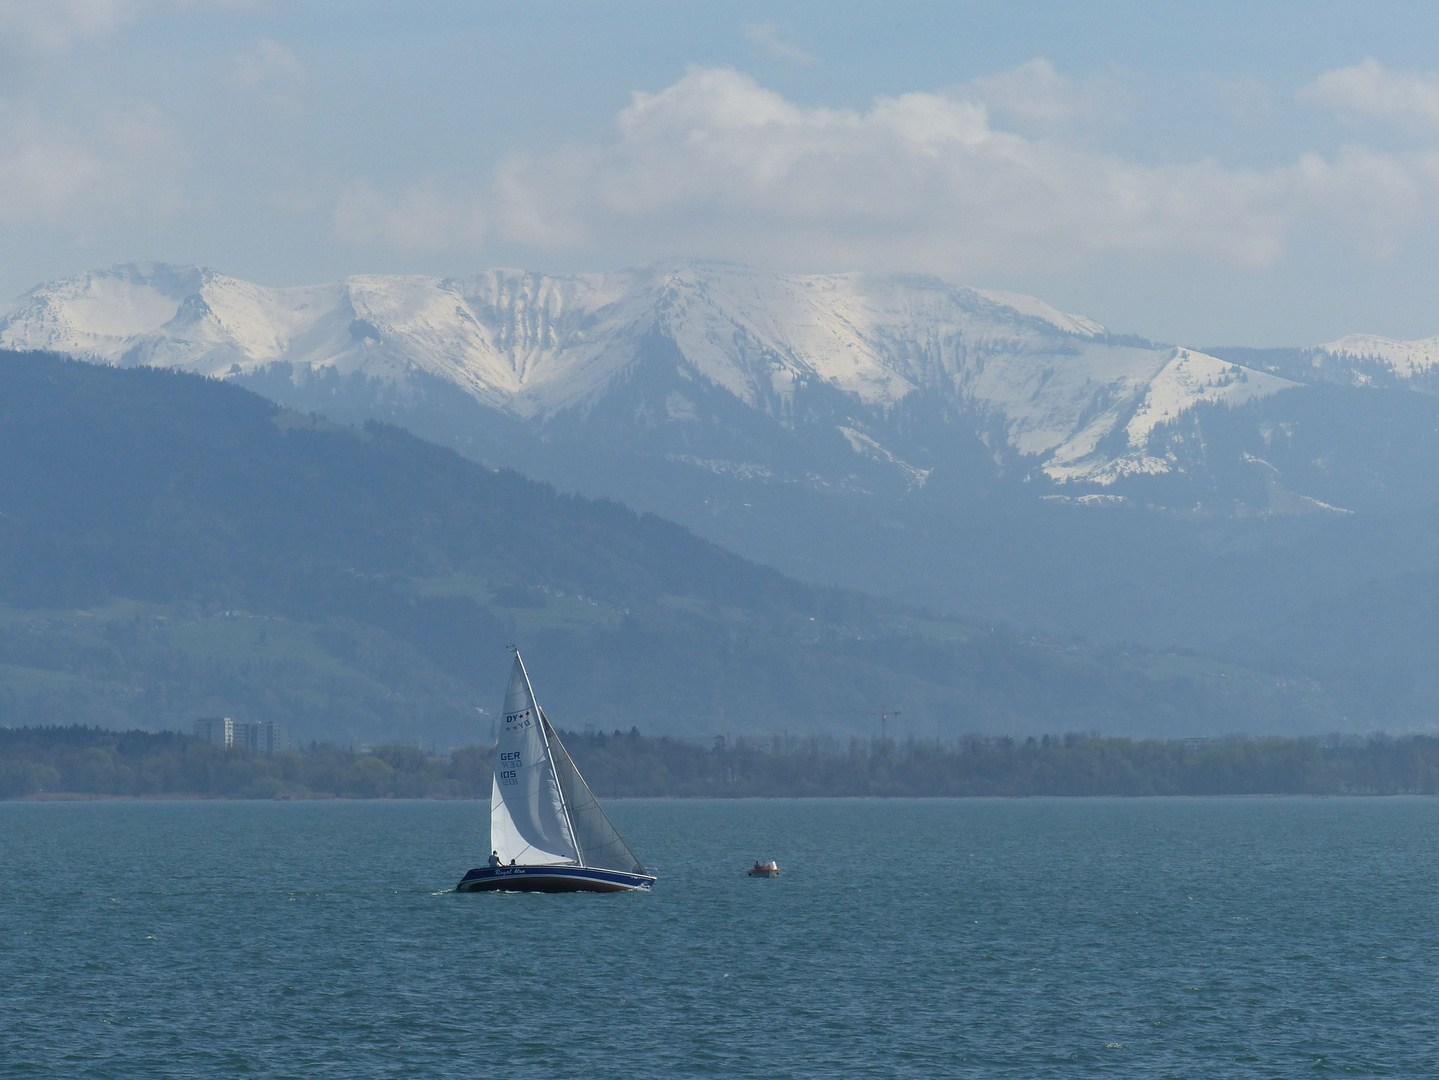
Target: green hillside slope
173 547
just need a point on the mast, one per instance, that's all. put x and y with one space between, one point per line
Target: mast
564 802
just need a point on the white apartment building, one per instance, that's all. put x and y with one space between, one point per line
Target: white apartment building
260 737
216 730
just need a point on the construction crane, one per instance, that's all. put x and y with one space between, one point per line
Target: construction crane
885 714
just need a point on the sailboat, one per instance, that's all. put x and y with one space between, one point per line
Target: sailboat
547 831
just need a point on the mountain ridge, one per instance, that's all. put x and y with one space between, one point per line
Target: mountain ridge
1055 387
893 434
173 547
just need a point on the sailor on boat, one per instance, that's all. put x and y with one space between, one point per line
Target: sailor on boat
542 811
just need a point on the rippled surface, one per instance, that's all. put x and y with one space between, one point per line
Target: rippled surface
934 938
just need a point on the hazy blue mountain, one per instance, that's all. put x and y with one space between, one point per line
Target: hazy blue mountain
976 452
172 546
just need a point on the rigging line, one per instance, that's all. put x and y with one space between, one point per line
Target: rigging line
550 754
546 730
594 801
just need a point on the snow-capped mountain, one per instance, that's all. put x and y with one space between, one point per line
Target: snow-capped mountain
976 450
1368 359
847 355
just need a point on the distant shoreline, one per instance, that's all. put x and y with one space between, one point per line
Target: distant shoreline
77 764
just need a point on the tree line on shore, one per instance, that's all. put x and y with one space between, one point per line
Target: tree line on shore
40 762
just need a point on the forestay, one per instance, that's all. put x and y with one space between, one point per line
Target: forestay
528 823
598 841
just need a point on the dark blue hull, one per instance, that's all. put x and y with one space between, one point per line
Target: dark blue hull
552 879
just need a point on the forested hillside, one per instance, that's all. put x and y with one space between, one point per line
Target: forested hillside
82 761
172 547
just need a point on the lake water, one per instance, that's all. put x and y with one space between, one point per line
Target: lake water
1035 938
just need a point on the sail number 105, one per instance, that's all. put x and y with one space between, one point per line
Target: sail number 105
509 767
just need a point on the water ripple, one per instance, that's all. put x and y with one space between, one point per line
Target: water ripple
1039 938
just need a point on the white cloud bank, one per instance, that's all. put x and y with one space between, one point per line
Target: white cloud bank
52 25
120 160
1035 94
767 37
56 175
1370 91
718 165
272 71
424 218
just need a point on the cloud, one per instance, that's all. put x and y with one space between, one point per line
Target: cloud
1035 94
1369 91
766 36
718 165
424 218
109 161
273 72
55 175
50 26
1248 99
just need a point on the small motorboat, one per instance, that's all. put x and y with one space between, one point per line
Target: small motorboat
764 869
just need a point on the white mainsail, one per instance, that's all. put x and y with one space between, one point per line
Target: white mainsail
599 842
528 821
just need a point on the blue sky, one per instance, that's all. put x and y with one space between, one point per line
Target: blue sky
1199 173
